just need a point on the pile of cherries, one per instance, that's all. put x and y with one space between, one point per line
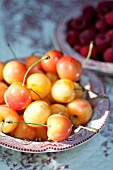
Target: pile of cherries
41 98
94 24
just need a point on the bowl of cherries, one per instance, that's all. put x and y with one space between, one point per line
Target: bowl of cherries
49 103
88 21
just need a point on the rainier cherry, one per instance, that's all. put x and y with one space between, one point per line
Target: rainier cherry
7 114
80 111
78 90
59 109
24 131
53 77
32 59
69 68
37 113
17 96
39 84
63 91
50 65
14 71
59 127
41 133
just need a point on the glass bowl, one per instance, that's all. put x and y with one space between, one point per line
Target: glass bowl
60 39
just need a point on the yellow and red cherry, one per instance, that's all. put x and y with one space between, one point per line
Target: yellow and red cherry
78 90
7 114
53 77
41 133
32 59
50 98
39 84
17 96
47 100
2 64
37 113
14 71
59 109
63 91
59 127
3 88
24 131
69 68
50 65
80 111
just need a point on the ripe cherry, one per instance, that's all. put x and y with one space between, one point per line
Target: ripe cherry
32 59
41 133
50 65
69 68
59 109
37 113
63 91
78 90
53 77
80 111
24 131
39 84
17 96
7 114
59 127
14 71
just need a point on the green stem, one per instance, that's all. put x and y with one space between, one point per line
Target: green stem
36 124
35 93
43 58
89 53
9 45
98 95
89 129
86 128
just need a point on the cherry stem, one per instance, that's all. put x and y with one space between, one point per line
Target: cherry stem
86 128
98 95
12 122
79 126
9 45
89 53
43 58
35 93
36 124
